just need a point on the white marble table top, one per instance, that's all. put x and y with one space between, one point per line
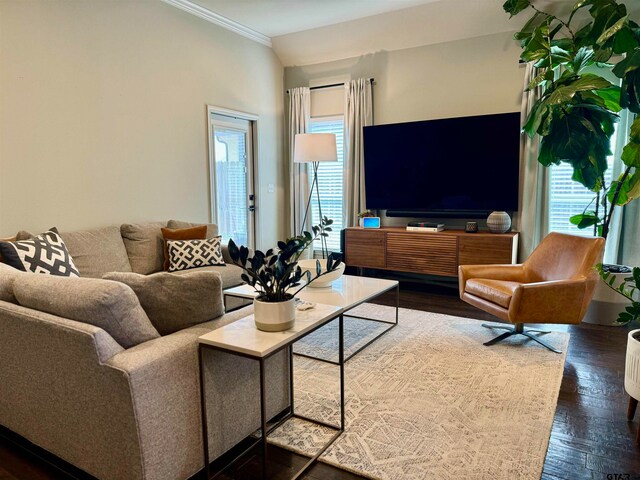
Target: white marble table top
242 336
346 292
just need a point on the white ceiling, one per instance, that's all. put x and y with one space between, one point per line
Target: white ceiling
428 24
280 17
303 32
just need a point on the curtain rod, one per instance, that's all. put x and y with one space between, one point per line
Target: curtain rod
333 85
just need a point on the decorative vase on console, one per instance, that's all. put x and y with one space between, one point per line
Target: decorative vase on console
499 222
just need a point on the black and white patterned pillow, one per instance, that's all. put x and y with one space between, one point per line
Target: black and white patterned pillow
186 254
44 253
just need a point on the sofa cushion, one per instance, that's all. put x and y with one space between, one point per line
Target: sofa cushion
230 274
9 239
191 233
175 302
97 251
112 306
145 247
494 291
7 276
188 254
212 228
45 253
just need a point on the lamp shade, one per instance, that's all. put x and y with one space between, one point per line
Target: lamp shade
315 147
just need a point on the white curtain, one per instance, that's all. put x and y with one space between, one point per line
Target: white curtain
299 119
612 250
358 113
532 219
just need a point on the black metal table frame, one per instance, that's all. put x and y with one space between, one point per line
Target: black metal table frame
353 354
263 408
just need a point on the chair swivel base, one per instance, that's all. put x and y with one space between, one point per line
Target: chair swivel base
518 329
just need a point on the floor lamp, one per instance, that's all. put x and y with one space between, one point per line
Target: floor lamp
314 148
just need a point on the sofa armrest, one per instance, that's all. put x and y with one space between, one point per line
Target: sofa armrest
164 379
509 273
57 392
557 301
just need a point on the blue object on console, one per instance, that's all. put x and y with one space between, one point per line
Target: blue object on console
371 222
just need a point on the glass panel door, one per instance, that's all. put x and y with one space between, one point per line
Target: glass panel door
233 198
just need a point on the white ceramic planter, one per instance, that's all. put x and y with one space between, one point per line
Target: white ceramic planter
274 316
325 280
632 365
606 304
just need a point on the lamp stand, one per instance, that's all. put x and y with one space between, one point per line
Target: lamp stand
316 186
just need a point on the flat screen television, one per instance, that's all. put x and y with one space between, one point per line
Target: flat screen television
460 167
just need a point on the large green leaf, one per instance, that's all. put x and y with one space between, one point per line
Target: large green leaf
582 59
630 96
625 41
514 7
634 133
611 97
534 22
631 154
585 220
630 63
586 82
537 47
612 30
626 189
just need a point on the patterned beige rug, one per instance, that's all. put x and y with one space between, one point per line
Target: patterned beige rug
428 400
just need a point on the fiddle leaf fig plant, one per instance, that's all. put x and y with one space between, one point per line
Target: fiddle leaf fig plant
274 274
575 116
628 288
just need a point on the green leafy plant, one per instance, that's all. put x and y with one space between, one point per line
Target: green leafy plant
628 288
320 231
275 273
576 115
366 214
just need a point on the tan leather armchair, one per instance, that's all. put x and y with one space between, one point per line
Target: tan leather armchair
554 285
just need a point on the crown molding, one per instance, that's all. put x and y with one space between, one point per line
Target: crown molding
219 20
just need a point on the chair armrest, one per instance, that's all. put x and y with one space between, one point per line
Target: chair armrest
557 301
509 273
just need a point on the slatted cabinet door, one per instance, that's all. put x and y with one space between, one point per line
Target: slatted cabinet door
366 248
423 253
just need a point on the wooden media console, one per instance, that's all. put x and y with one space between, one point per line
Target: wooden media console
437 253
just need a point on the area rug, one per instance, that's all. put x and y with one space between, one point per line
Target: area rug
323 343
428 400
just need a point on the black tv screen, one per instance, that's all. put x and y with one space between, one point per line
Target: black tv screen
468 164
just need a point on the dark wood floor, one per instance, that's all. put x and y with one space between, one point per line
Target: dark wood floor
591 438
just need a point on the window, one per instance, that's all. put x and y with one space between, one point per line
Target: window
568 197
330 177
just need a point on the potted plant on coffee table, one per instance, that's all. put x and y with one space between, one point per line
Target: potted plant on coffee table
275 274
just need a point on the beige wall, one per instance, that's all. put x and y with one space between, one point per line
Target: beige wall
466 77
103 113
453 79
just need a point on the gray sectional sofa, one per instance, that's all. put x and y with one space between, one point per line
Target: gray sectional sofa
121 413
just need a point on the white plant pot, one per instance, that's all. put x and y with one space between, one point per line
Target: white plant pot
606 304
325 280
632 366
274 316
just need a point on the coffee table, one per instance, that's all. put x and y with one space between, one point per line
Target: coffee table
242 338
347 292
